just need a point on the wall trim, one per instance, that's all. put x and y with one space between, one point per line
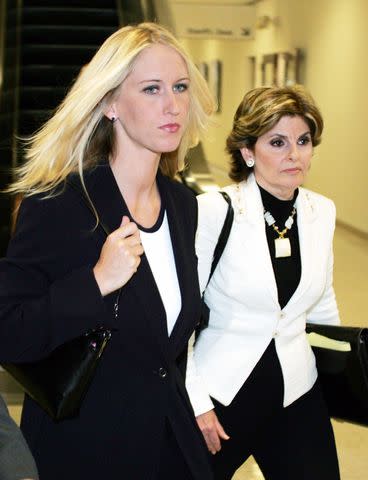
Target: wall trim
349 228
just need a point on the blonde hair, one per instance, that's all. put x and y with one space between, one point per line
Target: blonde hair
78 135
259 111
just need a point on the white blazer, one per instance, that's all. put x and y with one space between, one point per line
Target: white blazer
243 301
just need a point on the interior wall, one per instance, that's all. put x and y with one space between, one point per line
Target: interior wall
333 35
236 79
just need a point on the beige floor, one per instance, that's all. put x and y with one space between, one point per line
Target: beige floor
351 285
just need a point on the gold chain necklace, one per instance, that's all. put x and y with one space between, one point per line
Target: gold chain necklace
282 244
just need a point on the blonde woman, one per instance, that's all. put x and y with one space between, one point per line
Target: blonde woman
252 377
122 132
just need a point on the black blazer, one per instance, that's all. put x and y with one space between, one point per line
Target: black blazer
48 295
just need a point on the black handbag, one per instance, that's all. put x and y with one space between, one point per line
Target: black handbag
59 382
342 363
220 247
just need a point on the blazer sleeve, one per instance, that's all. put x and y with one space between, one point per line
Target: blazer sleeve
211 214
198 394
48 293
325 310
16 461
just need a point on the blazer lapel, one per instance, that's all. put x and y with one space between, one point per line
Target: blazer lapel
105 195
306 211
149 299
185 268
110 205
252 217
256 235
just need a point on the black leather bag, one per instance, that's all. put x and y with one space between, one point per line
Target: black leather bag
59 382
342 363
220 247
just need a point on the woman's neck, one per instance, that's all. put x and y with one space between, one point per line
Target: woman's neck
135 172
280 209
137 184
280 192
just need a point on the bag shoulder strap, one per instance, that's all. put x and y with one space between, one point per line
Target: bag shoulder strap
224 234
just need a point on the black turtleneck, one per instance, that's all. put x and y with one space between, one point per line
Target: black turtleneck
287 270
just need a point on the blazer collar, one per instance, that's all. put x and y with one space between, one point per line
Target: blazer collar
248 202
306 206
249 207
105 195
307 212
186 271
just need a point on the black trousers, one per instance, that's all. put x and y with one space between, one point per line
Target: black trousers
292 443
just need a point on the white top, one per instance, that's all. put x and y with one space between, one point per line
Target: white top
242 296
158 249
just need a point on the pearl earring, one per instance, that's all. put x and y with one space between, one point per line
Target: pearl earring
250 162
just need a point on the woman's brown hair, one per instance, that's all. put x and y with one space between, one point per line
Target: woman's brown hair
259 111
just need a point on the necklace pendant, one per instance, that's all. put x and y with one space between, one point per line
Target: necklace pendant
282 247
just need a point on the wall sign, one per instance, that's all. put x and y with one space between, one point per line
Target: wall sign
213 21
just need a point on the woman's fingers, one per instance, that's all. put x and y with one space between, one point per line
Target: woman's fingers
126 229
120 257
212 431
221 432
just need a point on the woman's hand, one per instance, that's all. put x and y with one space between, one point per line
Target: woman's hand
119 258
212 431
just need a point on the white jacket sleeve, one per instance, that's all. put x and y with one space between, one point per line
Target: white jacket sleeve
211 214
198 394
325 310
212 210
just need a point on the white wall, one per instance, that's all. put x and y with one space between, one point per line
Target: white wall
334 36
235 81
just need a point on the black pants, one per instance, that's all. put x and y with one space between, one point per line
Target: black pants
292 443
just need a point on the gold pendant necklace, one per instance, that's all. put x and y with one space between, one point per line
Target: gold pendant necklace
282 244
